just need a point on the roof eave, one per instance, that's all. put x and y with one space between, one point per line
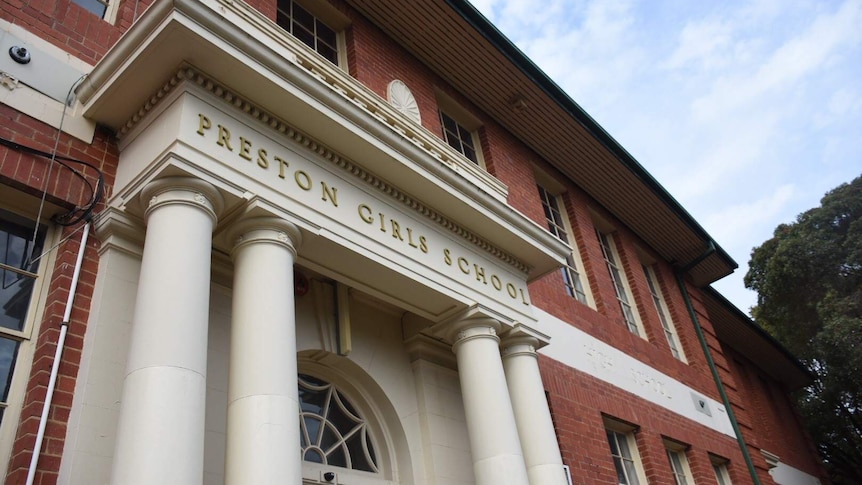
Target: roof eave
478 21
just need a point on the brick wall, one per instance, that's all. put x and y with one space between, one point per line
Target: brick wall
775 425
579 402
577 399
29 174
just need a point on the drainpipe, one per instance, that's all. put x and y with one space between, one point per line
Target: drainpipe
64 327
680 279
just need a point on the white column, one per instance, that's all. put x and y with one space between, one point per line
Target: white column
160 437
535 427
263 445
494 443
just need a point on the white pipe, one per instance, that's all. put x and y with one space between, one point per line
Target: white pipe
64 326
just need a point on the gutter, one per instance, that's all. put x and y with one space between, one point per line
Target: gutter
680 279
499 41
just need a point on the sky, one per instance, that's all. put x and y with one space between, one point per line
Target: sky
746 111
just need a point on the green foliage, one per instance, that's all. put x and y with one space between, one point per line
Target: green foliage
808 278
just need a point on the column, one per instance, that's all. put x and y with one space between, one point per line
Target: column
494 443
535 428
263 406
160 436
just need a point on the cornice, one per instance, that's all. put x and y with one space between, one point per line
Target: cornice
194 76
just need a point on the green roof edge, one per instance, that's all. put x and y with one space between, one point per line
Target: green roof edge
482 25
712 292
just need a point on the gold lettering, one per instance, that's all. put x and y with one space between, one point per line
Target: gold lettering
511 289
523 297
447 256
367 218
382 222
305 183
463 265
480 273
244 148
262 161
423 244
396 230
204 123
329 193
224 137
496 283
410 238
282 164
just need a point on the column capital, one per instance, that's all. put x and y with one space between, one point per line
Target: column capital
183 190
474 328
523 340
268 230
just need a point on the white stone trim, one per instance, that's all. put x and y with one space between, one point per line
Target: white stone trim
583 352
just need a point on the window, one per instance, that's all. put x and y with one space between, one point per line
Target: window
308 28
625 454
331 430
719 466
98 7
663 313
678 464
18 280
459 138
460 127
620 284
558 225
104 9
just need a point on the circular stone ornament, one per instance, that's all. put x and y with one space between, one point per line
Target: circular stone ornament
402 99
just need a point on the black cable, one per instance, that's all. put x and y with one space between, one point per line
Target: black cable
77 214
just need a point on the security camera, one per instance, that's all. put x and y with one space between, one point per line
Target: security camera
329 476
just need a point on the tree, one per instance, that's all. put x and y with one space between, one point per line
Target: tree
808 279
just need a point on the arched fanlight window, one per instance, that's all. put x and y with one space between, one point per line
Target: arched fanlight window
331 431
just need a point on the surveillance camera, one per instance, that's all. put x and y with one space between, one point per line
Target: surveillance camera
329 476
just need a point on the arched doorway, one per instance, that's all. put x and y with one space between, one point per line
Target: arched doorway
349 431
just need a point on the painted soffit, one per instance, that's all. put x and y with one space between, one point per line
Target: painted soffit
251 56
457 42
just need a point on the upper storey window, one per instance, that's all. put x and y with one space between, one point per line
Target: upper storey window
98 7
104 9
663 313
459 137
460 128
309 29
559 227
621 287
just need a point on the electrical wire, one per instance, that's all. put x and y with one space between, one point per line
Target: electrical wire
53 156
77 214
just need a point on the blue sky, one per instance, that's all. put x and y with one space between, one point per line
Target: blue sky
747 111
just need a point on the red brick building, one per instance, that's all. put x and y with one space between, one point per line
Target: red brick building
382 204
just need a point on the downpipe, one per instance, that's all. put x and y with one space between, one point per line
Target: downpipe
52 382
680 279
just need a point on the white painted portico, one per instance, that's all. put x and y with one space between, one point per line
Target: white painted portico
241 166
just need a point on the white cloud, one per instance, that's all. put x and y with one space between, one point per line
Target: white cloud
704 42
734 224
799 56
747 111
